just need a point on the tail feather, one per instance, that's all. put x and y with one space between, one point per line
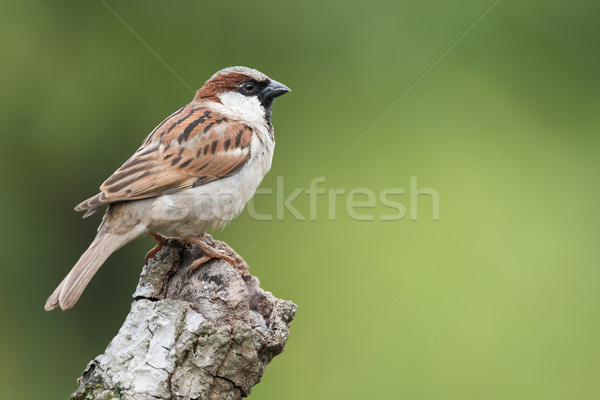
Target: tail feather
71 288
52 301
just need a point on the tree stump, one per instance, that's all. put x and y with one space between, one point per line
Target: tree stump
203 334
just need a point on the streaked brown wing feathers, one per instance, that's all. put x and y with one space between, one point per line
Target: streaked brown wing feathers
192 147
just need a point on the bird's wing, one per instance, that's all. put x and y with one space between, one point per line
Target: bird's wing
192 147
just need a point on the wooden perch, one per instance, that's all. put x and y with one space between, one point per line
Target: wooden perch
206 334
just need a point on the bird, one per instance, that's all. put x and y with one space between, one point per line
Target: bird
195 171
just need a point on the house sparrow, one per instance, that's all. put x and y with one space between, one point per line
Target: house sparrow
195 171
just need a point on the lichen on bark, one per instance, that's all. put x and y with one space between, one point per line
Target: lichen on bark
203 334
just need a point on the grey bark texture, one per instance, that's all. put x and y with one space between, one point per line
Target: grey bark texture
203 334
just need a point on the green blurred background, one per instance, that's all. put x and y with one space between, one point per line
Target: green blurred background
504 127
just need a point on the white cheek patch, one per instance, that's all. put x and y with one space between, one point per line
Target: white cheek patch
243 107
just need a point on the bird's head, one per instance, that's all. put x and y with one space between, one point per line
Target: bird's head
244 91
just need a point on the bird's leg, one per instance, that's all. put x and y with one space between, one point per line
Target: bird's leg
209 253
162 241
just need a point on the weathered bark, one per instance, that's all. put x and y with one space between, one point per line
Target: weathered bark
206 334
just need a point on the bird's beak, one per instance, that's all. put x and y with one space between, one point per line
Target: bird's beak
275 89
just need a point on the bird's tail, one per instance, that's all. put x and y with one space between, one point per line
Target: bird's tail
69 290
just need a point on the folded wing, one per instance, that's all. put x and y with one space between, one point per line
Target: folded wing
192 147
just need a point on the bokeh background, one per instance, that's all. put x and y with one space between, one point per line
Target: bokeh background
500 295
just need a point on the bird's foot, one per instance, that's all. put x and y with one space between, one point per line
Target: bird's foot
162 241
210 252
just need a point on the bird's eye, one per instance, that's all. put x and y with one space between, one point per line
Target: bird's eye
249 86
